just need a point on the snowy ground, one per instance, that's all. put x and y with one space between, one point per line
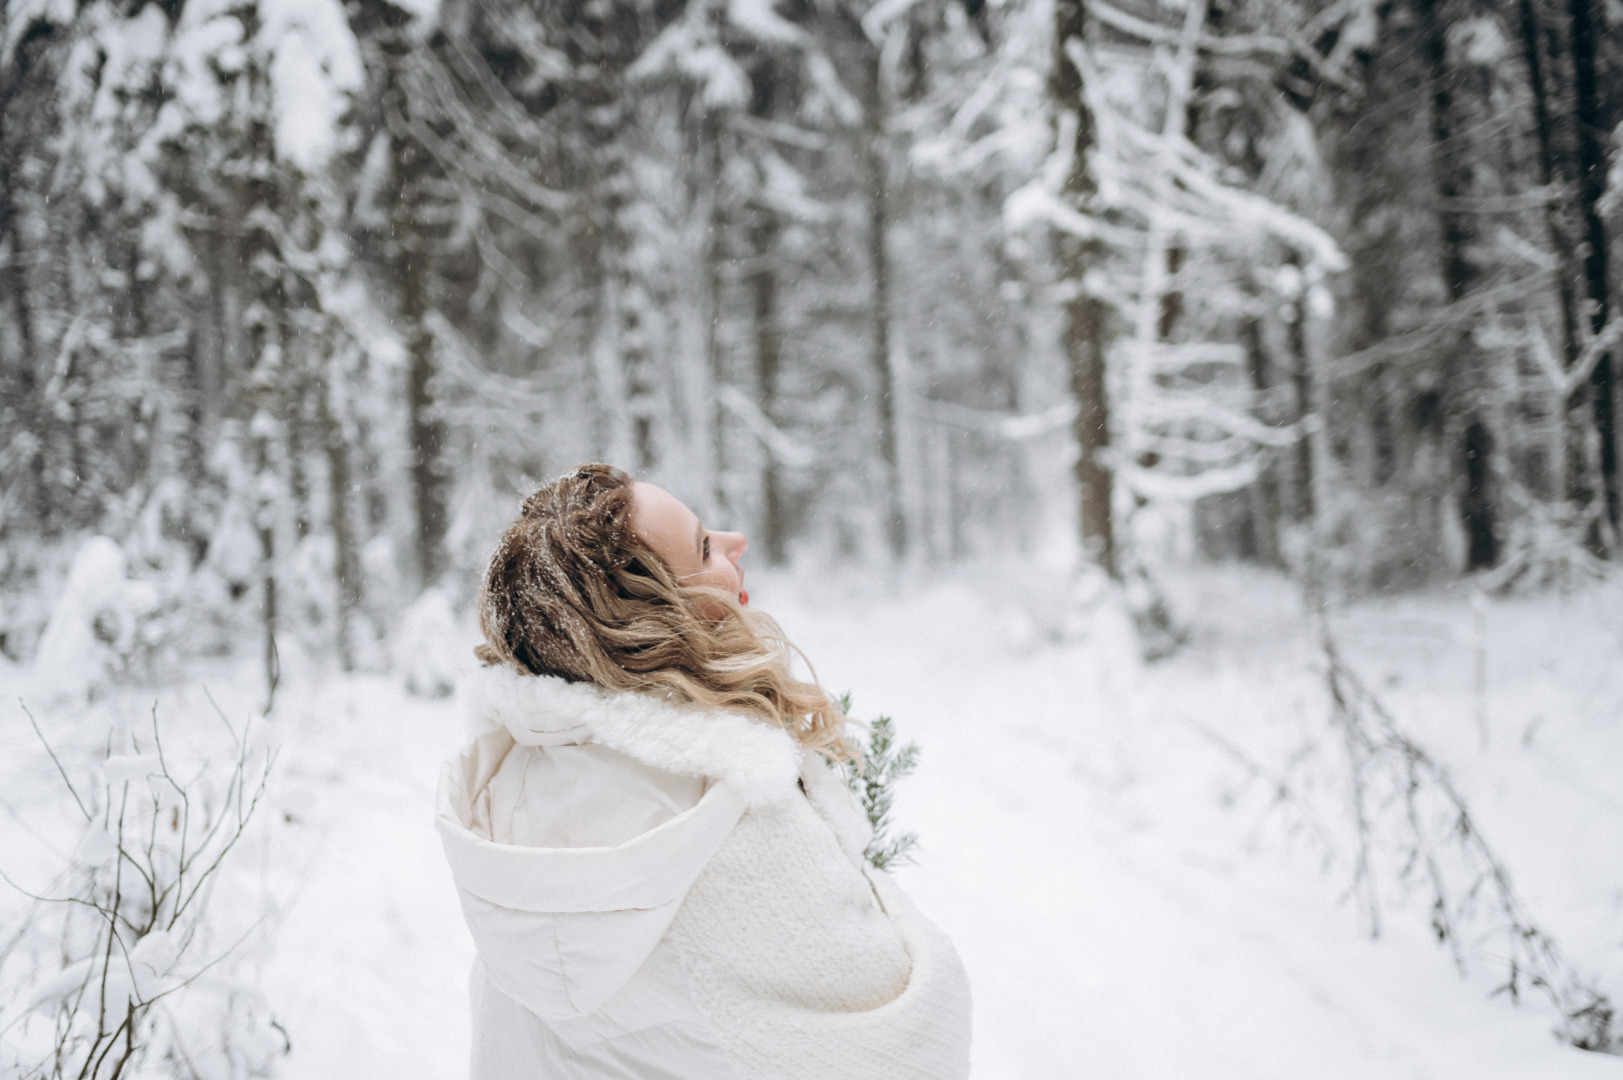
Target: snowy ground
1127 905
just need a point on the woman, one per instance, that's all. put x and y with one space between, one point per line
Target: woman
654 845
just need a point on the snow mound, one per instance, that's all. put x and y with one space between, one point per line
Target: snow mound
432 648
95 625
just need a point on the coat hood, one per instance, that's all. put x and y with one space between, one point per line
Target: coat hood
760 760
562 930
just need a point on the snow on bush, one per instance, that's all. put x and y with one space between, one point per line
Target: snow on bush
1389 819
98 625
127 964
430 648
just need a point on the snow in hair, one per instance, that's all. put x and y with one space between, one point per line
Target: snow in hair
572 591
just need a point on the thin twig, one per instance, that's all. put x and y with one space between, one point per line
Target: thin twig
55 760
235 741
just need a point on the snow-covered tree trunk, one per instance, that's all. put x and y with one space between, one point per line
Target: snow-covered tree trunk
1265 494
407 205
1084 334
1451 179
636 320
717 231
875 180
1592 122
768 339
1158 302
1305 398
331 401
26 83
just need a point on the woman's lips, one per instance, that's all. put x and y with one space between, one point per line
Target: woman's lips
743 596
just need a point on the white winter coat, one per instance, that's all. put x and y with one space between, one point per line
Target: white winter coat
662 891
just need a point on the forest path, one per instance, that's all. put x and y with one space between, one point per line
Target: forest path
1116 920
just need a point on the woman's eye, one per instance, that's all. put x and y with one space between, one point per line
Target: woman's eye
707 549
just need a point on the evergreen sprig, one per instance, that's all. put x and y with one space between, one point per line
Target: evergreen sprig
872 778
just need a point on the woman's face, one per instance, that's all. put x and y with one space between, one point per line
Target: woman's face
695 554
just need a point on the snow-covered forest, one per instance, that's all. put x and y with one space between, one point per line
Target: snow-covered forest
1194 421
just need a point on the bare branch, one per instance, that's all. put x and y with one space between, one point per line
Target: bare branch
55 760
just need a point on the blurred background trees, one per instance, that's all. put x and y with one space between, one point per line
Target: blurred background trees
300 297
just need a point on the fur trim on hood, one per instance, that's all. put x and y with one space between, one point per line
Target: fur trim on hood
760 760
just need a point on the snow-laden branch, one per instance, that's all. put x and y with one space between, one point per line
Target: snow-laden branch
498 205
777 443
546 60
482 154
1206 453
1567 381
1155 33
485 159
878 18
1186 408
1164 357
494 258
975 105
1036 204
1242 433
690 50
1458 317
783 189
945 157
759 19
1196 172
522 327
1195 204
1154 485
1016 427
777 131
505 390
1241 45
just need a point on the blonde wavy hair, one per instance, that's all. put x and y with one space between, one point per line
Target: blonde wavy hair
574 591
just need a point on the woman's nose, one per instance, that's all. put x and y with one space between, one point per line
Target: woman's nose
734 545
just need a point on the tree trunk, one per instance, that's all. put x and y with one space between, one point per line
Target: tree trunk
1482 539
1450 169
876 182
23 409
1552 134
768 364
294 419
424 427
194 441
621 439
29 126
1303 504
1084 319
1265 497
265 355
714 254
1550 174
1592 126
878 259
1451 181
265 528
346 553
409 258
261 386
634 314
1084 341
